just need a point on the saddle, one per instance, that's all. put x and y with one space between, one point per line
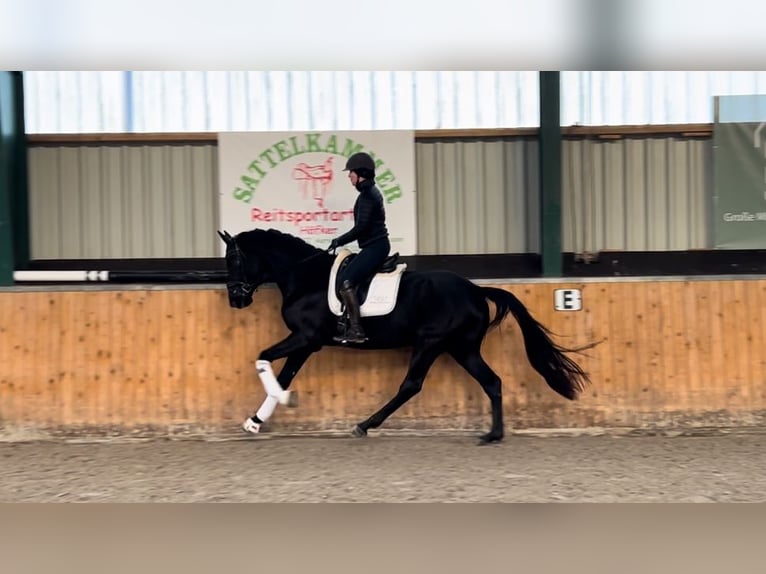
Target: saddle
388 265
377 294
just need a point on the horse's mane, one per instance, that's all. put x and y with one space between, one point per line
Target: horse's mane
274 240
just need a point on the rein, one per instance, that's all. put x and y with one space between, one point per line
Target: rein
249 286
295 264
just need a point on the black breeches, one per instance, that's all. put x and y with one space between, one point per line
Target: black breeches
366 262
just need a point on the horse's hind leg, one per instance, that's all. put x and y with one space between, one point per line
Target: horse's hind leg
477 367
421 362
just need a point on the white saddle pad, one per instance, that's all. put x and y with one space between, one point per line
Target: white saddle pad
381 296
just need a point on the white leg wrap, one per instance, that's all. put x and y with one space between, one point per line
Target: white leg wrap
267 409
270 383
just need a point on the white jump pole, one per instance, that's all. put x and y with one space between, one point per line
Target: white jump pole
48 276
73 276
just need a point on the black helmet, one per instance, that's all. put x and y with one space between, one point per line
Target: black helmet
360 160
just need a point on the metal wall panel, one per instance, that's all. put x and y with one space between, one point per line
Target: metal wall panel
123 201
151 201
636 194
473 197
477 197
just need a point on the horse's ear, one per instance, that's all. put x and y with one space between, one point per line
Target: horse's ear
226 237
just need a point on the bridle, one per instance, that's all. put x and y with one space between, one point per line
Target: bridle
240 287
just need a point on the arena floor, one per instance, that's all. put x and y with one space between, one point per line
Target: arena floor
721 468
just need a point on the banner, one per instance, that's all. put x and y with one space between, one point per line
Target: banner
739 161
294 182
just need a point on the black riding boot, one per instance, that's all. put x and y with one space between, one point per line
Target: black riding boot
354 333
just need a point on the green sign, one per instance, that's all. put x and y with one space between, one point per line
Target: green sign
739 196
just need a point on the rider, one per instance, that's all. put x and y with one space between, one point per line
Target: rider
371 235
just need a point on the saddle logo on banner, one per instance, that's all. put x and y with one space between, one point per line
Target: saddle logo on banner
315 180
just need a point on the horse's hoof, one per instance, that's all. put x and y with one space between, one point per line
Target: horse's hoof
250 426
489 438
291 400
358 432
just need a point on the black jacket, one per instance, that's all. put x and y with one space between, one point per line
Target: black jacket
369 216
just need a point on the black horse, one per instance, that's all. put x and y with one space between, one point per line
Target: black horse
436 312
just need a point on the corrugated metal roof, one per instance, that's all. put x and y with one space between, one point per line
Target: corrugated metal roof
639 98
84 102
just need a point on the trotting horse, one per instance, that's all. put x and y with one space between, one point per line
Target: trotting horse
435 312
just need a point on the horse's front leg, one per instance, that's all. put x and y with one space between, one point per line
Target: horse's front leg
292 345
276 387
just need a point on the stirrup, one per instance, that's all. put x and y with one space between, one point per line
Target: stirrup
350 336
341 327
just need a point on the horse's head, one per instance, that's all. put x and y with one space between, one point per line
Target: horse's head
241 281
267 255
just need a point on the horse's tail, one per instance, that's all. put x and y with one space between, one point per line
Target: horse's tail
561 373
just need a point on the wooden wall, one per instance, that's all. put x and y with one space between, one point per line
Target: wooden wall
179 360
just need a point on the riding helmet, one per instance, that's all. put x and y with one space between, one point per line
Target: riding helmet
360 161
